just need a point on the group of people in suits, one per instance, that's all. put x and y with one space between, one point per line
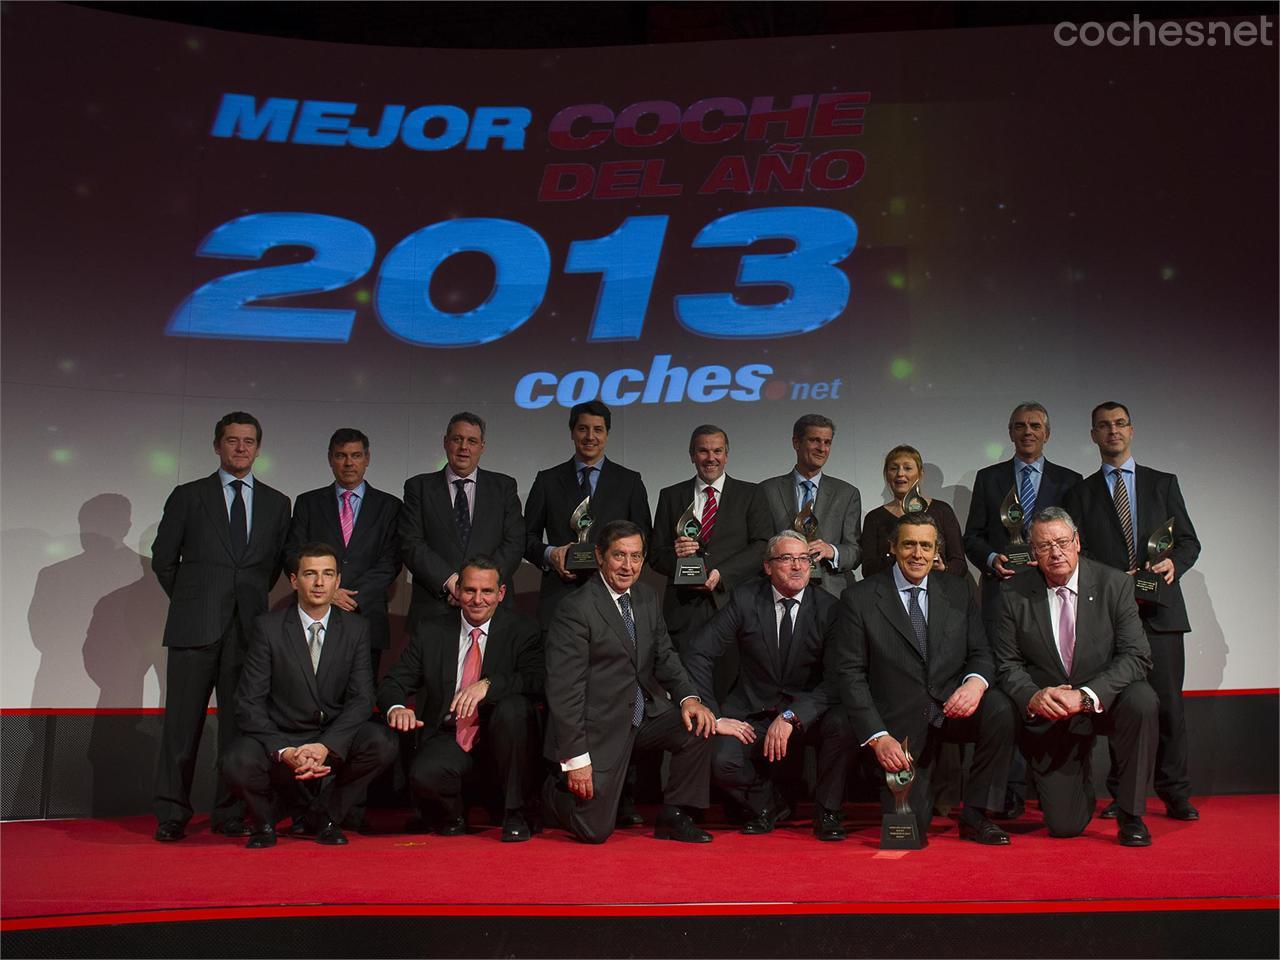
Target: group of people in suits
779 648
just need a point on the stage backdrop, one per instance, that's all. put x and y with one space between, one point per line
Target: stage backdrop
907 232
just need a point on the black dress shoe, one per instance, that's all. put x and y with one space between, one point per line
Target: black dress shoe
765 820
261 837
679 826
1013 812
170 831
983 831
301 827
826 824
330 834
515 828
232 828
1110 811
628 817
1181 809
1133 832
452 827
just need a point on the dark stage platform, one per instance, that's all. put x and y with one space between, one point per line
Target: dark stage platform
104 888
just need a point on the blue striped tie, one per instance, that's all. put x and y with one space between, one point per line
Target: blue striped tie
1027 494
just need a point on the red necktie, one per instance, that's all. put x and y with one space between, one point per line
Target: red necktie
468 727
709 510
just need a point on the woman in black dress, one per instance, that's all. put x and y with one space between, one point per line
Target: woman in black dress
903 469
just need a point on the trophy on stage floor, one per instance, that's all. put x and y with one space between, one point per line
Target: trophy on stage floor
899 830
806 524
581 554
691 571
1146 583
1012 517
914 501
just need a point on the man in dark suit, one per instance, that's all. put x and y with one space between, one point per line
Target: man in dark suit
836 505
720 503
360 523
454 513
480 671
217 553
1117 509
610 669
1071 654
616 494
1040 484
306 694
779 703
912 663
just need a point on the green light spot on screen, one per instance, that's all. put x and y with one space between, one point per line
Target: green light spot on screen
993 450
162 462
898 206
898 281
262 464
67 365
1167 272
362 296
61 455
55 548
901 368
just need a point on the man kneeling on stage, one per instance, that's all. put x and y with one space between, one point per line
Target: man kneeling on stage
305 698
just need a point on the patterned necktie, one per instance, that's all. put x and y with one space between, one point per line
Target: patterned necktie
468 727
921 628
785 628
809 488
1066 629
1120 496
239 520
346 517
584 482
637 703
315 644
709 511
462 512
1027 494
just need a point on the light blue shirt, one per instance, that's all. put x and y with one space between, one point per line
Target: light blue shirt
1037 474
357 498
307 621
594 475
1127 472
246 494
816 480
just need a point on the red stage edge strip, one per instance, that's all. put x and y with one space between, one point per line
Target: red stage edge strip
156 711
642 910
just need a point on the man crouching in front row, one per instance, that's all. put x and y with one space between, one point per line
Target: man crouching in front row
305 699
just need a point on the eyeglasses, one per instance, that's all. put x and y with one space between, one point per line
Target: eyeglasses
792 558
1047 547
1105 424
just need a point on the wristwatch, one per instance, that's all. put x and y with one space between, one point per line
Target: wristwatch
791 718
1086 702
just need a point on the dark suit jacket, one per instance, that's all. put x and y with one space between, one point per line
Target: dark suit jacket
593 669
838 507
620 495
282 702
370 563
764 681
1111 649
192 559
728 551
1090 505
429 542
984 534
513 664
875 664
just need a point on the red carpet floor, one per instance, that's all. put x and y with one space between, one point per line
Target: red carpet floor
61 867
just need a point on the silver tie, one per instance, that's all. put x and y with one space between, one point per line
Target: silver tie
315 643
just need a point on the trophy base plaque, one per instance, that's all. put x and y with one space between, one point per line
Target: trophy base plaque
690 572
1146 587
900 831
580 556
1019 556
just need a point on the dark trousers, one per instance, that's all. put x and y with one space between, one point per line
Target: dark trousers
1168 664
505 755
1059 756
993 730
1016 788
191 675
741 770
688 779
269 788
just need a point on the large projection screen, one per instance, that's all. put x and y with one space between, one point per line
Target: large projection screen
908 232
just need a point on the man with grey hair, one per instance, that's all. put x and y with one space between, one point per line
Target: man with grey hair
1040 484
779 702
835 504
1071 654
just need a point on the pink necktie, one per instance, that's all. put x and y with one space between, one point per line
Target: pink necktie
709 510
470 726
346 517
1066 629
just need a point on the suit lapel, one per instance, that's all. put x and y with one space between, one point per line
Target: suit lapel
215 503
784 496
1088 615
767 611
805 613
1038 595
1144 492
448 666
1107 504
939 610
441 496
891 607
329 516
331 652
295 643
609 610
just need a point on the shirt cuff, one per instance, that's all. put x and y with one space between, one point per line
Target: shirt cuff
398 706
985 684
835 558
1097 704
576 763
991 561
692 696
546 557
882 733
